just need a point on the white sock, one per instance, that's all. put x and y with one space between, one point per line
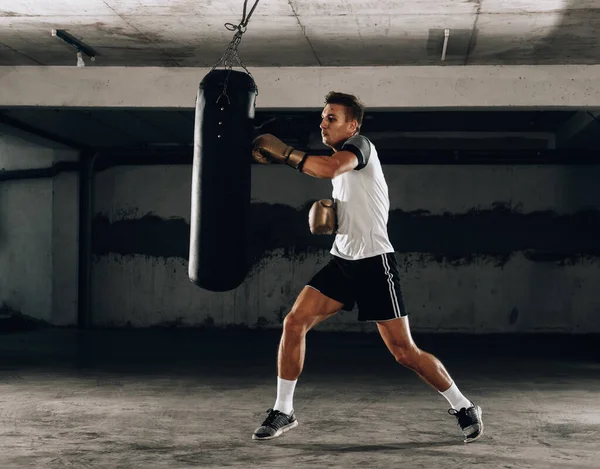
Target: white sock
454 397
285 395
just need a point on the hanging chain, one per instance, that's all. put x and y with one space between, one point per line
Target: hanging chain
230 57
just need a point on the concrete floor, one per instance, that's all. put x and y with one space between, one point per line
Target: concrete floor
188 399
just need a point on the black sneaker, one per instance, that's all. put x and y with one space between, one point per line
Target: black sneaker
274 425
470 422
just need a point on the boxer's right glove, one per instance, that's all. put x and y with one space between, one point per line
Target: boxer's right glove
322 217
267 148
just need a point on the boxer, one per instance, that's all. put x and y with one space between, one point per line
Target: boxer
363 269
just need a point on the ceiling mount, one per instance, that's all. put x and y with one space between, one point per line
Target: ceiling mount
79 46
445 46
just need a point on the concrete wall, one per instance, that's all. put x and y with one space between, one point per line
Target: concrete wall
483 248
38 235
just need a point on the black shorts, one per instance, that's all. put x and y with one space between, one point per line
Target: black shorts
372 283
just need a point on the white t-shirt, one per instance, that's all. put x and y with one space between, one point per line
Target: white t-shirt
362 205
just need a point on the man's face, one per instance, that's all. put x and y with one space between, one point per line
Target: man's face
335 126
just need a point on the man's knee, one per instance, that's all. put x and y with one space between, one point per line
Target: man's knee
310 308
296 321
406 355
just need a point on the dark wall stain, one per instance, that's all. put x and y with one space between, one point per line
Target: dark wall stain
459 239
149 235
498 232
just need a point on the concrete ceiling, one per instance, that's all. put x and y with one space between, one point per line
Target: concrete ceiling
191 33
309 33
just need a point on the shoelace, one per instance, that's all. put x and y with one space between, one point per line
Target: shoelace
275 419
464 419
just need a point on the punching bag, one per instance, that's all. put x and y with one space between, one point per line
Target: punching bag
221 177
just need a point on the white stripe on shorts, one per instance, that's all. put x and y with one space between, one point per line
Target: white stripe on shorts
393 297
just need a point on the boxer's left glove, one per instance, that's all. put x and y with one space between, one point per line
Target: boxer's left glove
322 218
267 148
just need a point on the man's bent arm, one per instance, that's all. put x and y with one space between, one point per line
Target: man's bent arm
328 167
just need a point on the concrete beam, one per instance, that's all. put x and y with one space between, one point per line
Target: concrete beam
437 87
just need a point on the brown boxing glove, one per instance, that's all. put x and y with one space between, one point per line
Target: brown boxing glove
322 217
267 148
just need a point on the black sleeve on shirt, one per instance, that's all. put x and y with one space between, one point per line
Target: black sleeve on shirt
361 147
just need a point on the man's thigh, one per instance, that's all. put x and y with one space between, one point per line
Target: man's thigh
311 307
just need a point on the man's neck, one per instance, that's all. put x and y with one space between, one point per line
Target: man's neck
338 146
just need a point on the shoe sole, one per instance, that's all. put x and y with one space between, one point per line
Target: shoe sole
279 432
471 440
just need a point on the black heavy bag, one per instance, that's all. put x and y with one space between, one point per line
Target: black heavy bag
221 177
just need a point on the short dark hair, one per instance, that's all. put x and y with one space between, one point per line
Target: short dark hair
355 109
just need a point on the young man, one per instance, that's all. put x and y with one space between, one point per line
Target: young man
363 268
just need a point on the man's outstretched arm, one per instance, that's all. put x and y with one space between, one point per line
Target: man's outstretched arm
268 148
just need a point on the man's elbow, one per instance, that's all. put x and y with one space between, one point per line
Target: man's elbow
333 170
328 169
328 175
327 172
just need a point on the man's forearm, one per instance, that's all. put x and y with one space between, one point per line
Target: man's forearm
321 167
